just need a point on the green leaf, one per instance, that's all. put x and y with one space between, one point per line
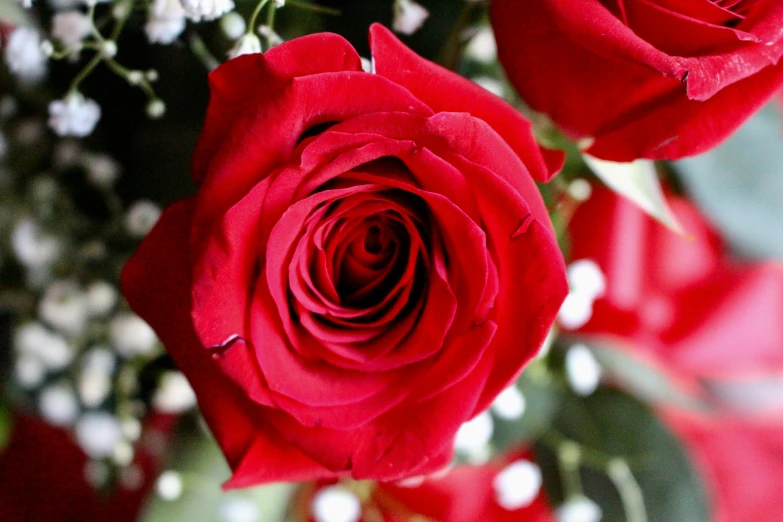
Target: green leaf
643 380
638 182
197 458
612 424
541 402
739 185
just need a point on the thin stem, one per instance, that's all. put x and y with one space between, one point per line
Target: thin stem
314 8
270 17
569 456
451 53
94 61
628 488
201 51
251 24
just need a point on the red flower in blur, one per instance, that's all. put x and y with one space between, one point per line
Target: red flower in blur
646 78
43 477
683 303
463 494
368 262
741 462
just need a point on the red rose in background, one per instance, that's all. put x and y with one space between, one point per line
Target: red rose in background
367 264
464 494
683 303
42 476
741 462
646 78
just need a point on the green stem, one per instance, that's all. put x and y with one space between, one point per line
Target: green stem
270 17
314 8
96 59
201 51
569 458
628 488
251 24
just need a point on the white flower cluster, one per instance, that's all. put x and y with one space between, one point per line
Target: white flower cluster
24 56
165 21
74 116
409 16
587 283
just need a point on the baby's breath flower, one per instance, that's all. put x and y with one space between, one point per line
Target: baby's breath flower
23 54
74 116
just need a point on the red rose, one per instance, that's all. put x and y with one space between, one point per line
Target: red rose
646 78
682 303
367 264
740 461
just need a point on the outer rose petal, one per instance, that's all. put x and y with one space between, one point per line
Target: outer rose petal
238 426
611 85
654 276
741 462
260 76
445 91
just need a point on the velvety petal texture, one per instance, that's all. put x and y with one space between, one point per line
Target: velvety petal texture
682 302
658 79
367 264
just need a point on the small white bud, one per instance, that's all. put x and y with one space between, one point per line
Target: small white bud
32 247
482 46
109 48
71 27
579 509
576 311
490 84
248 44
174 394
585 277
29 371
123 454
408 16
510 404
131 336
58 405
98 433
336 504
582 370
23 54
64 307
121 10
141 217
238 509
580 189
473 437
152 75
517 485
169 485
233 25
47 48
156 109
101 298
102 170
34 340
